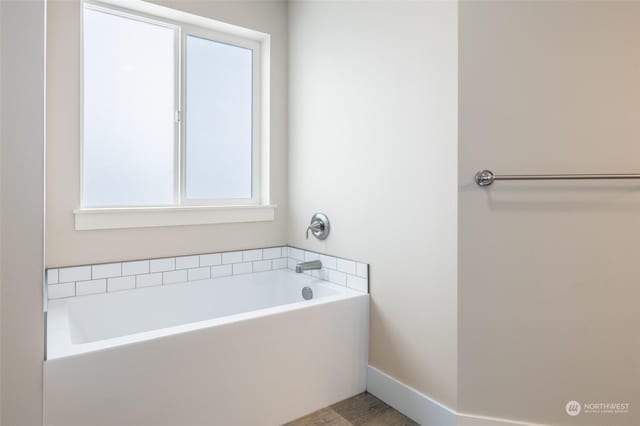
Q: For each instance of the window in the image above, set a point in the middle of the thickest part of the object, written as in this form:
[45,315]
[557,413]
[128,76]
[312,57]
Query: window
[172,112]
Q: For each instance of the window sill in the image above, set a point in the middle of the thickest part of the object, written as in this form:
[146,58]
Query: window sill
[146,217]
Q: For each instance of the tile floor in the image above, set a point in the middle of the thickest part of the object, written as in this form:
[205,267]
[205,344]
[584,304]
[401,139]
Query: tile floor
[361,410]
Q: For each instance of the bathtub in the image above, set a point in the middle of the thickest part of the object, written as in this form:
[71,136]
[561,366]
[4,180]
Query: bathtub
[241,350]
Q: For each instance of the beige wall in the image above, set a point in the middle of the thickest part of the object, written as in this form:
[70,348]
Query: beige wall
[548,276]
[65,246]
[21,211]
[373,90]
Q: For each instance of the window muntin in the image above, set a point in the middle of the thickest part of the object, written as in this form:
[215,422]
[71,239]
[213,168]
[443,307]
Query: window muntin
[214,155]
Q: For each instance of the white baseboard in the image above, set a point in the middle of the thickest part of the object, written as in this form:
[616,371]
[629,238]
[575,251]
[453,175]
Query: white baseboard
[423,409]
[410,402]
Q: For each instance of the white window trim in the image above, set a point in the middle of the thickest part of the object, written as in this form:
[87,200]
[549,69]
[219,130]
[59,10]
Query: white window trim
[193,212]
[146,217]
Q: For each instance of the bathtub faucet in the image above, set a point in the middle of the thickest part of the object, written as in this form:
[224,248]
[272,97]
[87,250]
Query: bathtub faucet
[308,266]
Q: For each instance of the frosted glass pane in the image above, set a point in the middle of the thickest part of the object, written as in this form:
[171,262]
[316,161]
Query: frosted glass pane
[219,120]
[129,106]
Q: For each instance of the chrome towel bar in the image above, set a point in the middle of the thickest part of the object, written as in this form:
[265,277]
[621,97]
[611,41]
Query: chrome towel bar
[487,177]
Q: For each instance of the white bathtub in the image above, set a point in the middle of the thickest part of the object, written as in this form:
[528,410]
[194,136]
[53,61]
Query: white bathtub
[242,350]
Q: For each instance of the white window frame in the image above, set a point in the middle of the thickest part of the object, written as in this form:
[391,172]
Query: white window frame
[190,211]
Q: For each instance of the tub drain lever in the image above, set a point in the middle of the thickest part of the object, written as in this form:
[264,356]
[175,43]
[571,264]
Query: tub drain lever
[307,293]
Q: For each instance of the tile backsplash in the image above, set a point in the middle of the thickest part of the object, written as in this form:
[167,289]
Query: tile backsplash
[109,277]
[339,271]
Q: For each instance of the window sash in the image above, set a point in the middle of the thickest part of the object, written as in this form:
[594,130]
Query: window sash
[182,31]
[254,46]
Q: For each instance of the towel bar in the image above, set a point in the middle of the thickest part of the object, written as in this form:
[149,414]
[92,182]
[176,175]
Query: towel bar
[487,177]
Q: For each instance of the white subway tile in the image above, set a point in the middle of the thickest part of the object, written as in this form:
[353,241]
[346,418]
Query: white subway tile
[347,266]
[106,270]
[337,277]
[52,276]
[296,253]
[174,277]
[221,271]
[357,283]
[328,261]
[161,265]
[91,287]
[148,280]
[210,259]
[83,280]
[231,257]
[272,253]
[77,273]
[362,270]
[121,283]
[309,255]
[186,262]
[199,273]
[251,255]
[135,268]
[321,274]
[291,264]
[261,265]
[279,263]
[58,291]
[242,268]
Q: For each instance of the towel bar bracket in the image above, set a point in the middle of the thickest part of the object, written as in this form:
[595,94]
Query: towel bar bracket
[485,178]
